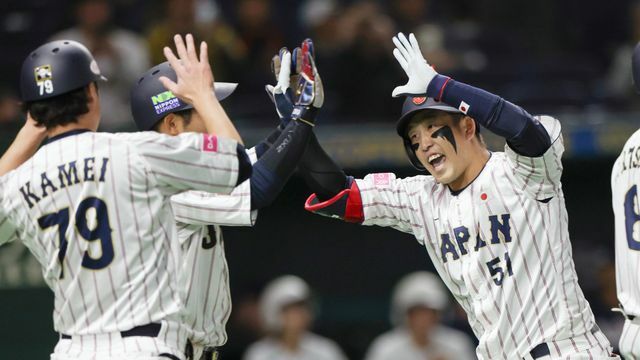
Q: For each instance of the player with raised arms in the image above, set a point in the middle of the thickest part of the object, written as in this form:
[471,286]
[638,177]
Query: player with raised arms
[204,275]
[94,208]
[494,224]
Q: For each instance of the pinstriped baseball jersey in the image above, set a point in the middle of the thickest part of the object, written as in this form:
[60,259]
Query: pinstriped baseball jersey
[204,274]
[501,245]
[625,179]
[94,210]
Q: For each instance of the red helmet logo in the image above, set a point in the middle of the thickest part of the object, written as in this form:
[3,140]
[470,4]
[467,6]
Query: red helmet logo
[419,100]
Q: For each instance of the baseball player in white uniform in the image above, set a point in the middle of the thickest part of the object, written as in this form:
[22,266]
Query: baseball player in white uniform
[493,223]
[286,315]
[416,305]
[94,208]
[625,178]
[204,275]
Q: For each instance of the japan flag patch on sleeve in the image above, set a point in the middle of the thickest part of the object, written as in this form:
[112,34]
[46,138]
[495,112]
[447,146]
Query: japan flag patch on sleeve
[464,107]
[209,143]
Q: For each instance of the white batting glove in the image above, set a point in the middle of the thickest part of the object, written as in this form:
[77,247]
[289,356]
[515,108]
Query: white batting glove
[409,56]
[280,94]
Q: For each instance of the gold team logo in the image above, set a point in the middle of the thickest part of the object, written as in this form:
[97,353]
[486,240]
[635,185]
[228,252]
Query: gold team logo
[43,73]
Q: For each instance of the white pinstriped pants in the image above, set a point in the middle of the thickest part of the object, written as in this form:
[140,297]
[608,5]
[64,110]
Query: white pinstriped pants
[630,340]
[112,346]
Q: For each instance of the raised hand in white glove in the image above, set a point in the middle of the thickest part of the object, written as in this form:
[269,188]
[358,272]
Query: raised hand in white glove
[409,56]
[281,94]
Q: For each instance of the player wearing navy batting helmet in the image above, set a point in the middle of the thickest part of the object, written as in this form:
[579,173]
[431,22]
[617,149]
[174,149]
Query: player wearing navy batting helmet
[199,216]
[94,208]
[494,224]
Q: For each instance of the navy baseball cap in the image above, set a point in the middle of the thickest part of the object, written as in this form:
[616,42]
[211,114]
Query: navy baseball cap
[151,101]
[413,104]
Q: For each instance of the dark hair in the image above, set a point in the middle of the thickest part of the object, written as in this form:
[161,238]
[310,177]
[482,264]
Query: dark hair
[432,113]
[184,114]
[59,110]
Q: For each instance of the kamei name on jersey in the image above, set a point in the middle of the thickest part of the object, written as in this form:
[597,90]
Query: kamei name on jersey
[66,175]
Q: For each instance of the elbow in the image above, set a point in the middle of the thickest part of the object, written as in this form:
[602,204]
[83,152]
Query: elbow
[244,165]
[532,141]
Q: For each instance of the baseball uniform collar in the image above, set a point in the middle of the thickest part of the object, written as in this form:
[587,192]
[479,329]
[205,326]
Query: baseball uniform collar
[457,192]
[64,135]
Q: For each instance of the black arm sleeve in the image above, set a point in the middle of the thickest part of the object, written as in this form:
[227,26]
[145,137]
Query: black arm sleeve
[275,166]
[320,172]
[524,134]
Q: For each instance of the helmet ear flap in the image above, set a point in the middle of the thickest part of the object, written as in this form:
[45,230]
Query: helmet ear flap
[412,155]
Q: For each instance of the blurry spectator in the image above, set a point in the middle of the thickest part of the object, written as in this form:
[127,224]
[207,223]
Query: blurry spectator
[11,119]
[199,18]
[366,71]
[120,54]
[287,316]
[449,47]
[262,38]
[619,85]
[417,302]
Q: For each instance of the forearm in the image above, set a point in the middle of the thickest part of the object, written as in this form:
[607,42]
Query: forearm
[325,178]
[523,133]
[263,146]
[215,118]
[22,149]
[275,166]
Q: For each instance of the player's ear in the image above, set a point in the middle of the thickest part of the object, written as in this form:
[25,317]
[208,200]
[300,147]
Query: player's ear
[469,127]
[169,125]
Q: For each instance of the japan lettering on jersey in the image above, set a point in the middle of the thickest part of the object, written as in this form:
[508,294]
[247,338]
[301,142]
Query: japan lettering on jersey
[94,210]
[625,179]
[501,245]
[204,274]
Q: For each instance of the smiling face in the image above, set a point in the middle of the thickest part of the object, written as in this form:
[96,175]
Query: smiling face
[444,143]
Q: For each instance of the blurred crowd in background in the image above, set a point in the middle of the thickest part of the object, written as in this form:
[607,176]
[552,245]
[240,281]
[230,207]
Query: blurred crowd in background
[546,55]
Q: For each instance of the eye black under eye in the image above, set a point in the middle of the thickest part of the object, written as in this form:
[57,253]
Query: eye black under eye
[415,147]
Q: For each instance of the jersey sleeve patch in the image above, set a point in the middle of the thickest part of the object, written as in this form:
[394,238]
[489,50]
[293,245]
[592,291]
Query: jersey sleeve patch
[380,180]
[209,143]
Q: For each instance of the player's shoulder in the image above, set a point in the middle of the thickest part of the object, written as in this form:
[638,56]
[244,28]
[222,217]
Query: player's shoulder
[633,140]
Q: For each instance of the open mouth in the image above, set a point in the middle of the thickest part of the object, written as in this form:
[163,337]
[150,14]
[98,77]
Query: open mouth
[436,160]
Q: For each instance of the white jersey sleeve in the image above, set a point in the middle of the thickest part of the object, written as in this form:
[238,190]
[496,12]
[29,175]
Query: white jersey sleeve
[201,208]
[540,176]
[8,231]
[388,201]
[188,161]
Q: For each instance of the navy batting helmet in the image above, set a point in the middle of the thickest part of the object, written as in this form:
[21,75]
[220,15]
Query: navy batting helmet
[411,106]
[56,68]
[635,67]
[151,101]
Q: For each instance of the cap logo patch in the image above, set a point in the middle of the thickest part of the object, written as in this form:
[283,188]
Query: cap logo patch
[164,102]
[43,73]
[419,100]
[94,67]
